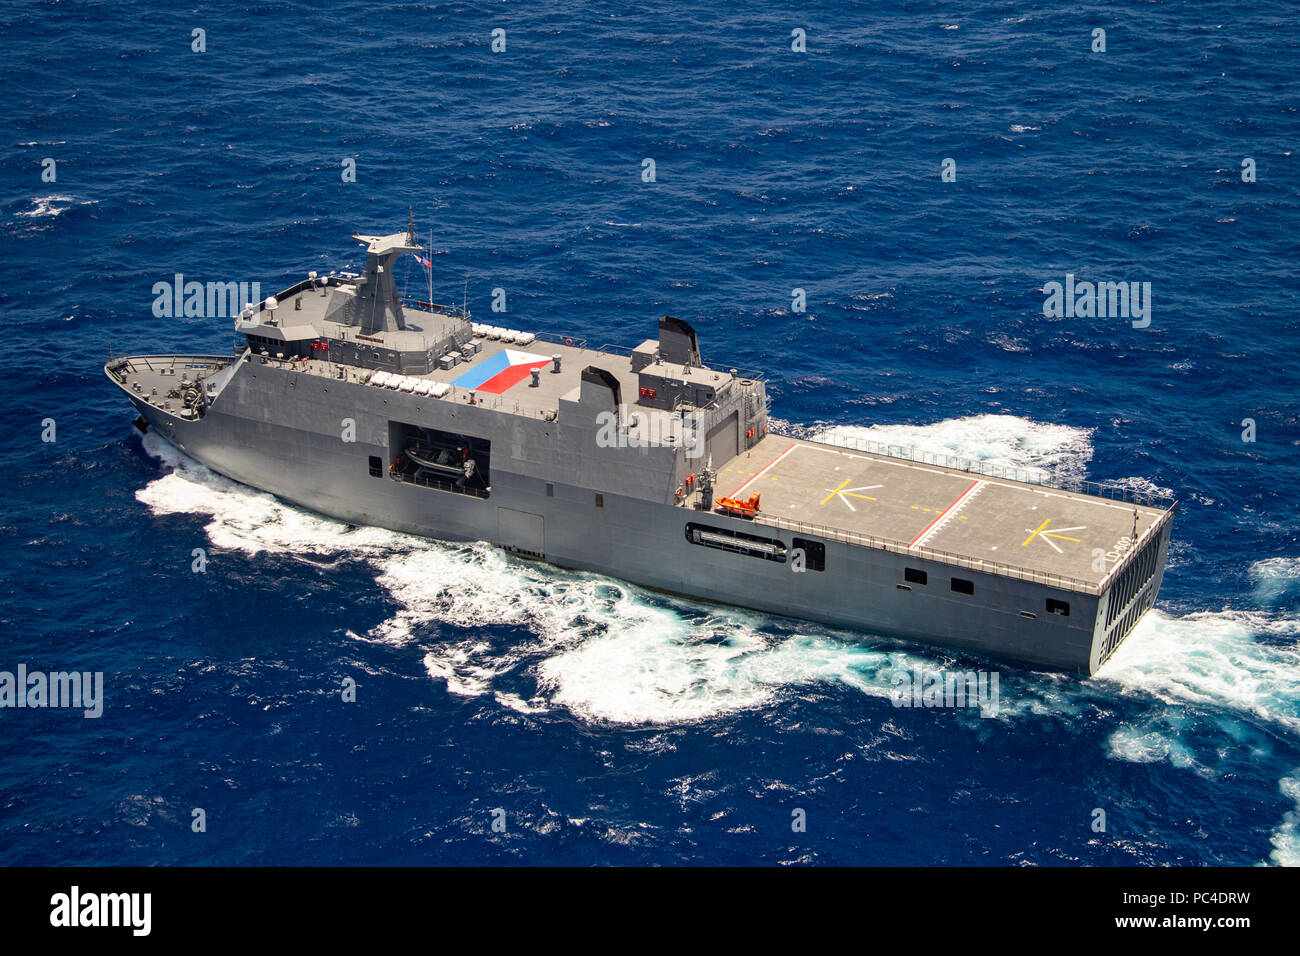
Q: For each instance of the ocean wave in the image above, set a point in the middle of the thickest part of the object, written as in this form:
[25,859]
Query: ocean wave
[49,207]
[1201,680]
[1286,837]
[1276,580]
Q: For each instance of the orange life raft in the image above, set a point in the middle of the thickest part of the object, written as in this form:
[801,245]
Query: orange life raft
[740,509]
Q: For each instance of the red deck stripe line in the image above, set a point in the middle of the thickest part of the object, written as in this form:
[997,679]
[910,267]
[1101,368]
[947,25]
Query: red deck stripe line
[764,471]
[945,511]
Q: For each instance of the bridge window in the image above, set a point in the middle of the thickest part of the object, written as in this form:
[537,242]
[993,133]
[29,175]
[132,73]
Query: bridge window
[962,586]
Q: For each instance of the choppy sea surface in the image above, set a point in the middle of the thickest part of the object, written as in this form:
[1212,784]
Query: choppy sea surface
[612,724]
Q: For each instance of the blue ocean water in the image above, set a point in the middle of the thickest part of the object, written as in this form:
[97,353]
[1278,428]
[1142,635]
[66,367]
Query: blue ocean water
[613,725]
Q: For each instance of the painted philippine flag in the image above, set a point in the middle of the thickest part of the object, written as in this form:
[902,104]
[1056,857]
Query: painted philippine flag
[498,372]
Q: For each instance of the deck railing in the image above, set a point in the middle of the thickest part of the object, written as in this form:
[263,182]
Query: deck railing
[1064,582]
[1136,547]
[555,338]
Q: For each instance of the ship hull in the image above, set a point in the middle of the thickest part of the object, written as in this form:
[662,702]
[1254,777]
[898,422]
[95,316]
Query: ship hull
[312,441]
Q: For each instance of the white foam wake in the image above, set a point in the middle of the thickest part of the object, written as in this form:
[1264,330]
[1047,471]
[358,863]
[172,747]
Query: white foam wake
[1001,441]
[48,207]
[1286,837]
[1247,662]
[1277,581]
[601,649]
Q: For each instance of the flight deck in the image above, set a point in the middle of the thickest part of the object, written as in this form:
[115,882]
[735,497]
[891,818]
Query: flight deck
[918,506]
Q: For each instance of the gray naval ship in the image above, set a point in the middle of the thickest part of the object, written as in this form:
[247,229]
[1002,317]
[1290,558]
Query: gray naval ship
[347,399]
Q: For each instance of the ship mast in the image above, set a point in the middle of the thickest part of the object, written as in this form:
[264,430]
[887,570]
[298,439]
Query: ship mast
[410,241]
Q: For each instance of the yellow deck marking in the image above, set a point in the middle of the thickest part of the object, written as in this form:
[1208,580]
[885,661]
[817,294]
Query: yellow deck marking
[835,491]
[1035,534]
[844,496]
[1048,535]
